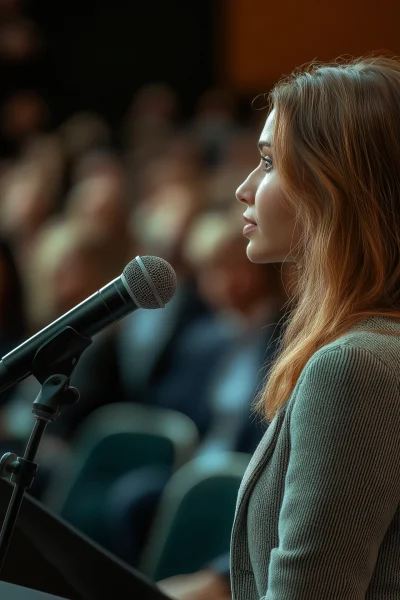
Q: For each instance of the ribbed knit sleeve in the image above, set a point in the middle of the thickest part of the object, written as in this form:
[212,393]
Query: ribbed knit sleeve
[342,485]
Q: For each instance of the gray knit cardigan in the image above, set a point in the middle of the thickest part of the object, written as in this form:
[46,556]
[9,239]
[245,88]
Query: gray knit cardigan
[317,515]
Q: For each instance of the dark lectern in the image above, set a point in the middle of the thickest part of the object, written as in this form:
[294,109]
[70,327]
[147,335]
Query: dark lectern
[49,555]
[9,591]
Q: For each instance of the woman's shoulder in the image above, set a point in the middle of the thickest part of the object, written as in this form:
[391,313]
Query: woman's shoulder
[377,336]
[350,382]
[373,341]
[367,352]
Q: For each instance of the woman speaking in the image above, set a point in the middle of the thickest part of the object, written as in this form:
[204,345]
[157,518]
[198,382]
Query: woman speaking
[317,515]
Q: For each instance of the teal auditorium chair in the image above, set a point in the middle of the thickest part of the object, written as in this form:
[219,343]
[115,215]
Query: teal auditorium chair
[194,520]
[114,439]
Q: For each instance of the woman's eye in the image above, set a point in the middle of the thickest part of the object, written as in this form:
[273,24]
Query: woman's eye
[267,163]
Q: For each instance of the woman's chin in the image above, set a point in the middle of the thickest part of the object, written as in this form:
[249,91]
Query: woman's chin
[261,256]
[254,255]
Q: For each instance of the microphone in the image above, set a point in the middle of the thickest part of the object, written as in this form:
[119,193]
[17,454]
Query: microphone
[146,282]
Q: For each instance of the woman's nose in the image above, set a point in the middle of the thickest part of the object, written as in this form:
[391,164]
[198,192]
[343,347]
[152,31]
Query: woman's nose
[245,192]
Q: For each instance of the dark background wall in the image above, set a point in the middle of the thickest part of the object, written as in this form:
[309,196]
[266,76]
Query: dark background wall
[100,52]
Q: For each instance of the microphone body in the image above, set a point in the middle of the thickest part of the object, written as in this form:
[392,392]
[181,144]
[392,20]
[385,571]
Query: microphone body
[106,306]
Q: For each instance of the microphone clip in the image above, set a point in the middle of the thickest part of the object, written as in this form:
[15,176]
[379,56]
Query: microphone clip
[59,355]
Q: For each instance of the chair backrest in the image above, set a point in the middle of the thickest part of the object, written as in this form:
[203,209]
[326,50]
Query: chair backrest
[195,516]
[113,440]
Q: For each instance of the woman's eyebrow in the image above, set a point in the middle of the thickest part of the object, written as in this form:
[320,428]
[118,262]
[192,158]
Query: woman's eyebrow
[264,143]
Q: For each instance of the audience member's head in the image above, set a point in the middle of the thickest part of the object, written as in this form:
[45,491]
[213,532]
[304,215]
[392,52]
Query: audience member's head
[45,151]
[20,40]
[226,279]
[27,201]
[216,103]
[71,260]
[24,113]
[162,172]
[149,123]
[213,123]
[155,103]
[82,132]
[162,222]
[100,198]
[102,161]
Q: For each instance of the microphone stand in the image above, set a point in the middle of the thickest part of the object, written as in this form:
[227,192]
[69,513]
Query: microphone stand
[52,366]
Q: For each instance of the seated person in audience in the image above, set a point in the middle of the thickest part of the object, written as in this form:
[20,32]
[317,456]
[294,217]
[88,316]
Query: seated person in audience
[155,348]
[71,261]
[212,582]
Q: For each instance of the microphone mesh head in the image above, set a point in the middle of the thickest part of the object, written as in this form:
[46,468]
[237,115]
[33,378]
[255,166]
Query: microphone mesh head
[162,276]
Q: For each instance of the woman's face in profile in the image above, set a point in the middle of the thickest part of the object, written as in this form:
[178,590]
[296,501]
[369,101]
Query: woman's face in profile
[274,234]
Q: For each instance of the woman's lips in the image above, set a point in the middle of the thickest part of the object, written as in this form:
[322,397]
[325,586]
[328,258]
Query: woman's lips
[249,227]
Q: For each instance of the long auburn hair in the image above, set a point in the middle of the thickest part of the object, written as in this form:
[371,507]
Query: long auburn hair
[337,150]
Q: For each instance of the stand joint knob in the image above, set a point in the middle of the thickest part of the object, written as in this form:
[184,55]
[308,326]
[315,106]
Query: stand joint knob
[22,471]
[8,464]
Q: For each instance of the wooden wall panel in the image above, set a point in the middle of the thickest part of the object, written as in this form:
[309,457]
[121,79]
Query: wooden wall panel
[261,40]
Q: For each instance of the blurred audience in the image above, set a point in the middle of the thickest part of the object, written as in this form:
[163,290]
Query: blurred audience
[235,341]
[77,202]
[99,198]
[46,153]
[82,133]
[71,260]
[150,122]
[26,204]
[213,123]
